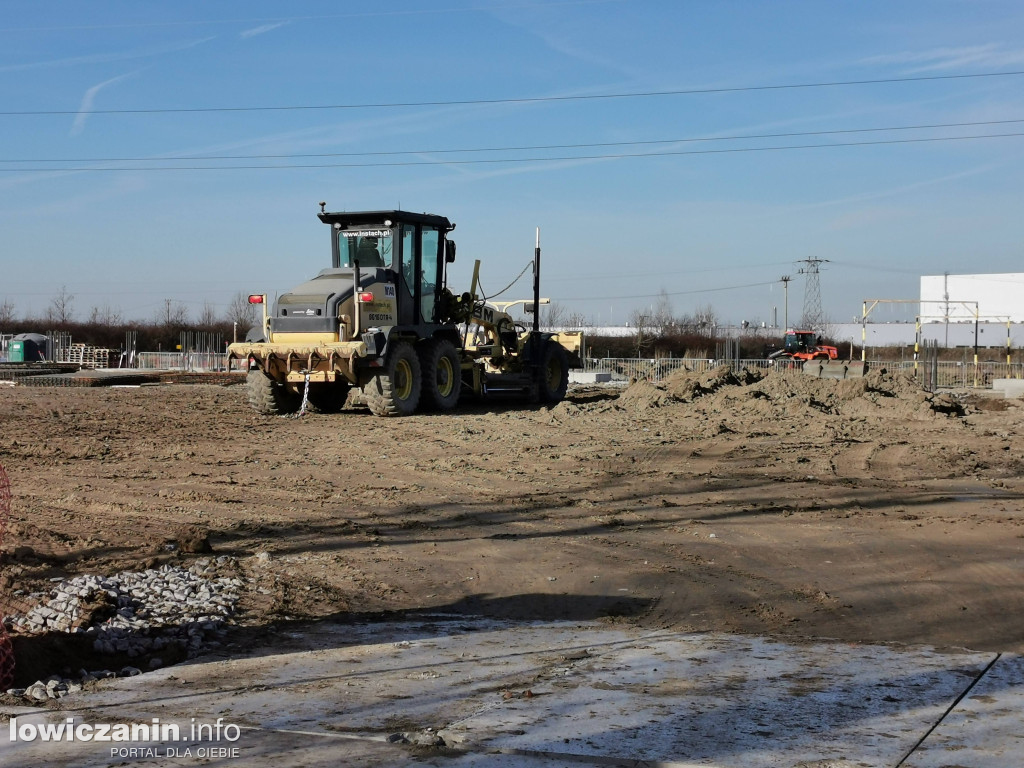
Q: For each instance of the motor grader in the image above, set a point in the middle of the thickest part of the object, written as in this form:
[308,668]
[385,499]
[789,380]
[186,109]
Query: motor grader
[382,319]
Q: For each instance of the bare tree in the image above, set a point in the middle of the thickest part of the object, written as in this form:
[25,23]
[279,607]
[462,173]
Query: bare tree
[826,328]
[62,307]
[208,315]
[241,313]
[663,318]
[6,313]
[705,320]
[641,322]
[172,314]
[577,320]
[552,315]
[105,315]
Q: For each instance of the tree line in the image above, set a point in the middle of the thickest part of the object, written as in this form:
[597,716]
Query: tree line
[659,331]
[104,326]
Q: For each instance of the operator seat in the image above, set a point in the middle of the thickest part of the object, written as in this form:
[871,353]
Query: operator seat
[367,253]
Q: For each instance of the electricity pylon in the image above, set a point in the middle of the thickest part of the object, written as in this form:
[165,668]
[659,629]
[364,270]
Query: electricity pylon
[813,318]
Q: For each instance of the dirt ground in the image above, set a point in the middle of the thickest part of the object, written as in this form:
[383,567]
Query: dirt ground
[864,511]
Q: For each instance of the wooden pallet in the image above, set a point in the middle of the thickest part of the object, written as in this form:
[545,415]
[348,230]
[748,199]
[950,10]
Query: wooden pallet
[91,357]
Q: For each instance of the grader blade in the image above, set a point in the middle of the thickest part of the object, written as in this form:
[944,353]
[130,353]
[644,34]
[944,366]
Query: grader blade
[835,369]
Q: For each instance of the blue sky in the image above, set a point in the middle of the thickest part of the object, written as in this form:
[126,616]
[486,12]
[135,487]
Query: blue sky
[615,230]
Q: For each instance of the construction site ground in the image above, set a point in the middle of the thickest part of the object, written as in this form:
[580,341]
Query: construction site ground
[786,510]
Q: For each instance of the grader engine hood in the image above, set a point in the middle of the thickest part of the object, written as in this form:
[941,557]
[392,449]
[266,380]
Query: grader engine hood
[311,307]
[317,305]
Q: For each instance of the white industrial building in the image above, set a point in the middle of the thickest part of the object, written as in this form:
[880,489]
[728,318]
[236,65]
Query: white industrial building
[953,298]
[947,306]
[955,311]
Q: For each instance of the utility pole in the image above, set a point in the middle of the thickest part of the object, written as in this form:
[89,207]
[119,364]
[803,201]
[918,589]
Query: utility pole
[814,317]
[945,296]
[785,282]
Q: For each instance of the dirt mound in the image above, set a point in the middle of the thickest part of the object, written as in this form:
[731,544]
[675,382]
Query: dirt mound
[780,394]
[880,393]
[644,394]
[686,386]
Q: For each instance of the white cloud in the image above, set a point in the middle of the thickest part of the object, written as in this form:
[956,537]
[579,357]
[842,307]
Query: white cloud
[989,56]
[260,30]
[87,100]
[102,58]
[560,31]
[903,189]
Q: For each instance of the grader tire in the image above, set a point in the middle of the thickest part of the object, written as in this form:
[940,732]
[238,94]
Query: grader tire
[553,376]
[268,396]
[395,391]
[442,374]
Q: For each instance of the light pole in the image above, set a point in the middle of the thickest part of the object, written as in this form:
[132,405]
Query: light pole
[785,282]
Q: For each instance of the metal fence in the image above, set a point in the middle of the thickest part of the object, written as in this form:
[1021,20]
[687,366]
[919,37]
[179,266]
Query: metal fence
[181,361]
[956,375]
[945,374]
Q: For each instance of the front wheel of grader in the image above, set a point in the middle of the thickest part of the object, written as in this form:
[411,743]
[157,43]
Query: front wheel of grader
[268,396]
[395,391]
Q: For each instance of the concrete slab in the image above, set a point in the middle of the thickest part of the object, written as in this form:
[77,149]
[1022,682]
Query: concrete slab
[588,377]
[1009,387]
[554,694]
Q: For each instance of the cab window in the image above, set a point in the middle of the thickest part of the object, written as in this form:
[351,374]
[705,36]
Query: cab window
[430,268]
[370,247]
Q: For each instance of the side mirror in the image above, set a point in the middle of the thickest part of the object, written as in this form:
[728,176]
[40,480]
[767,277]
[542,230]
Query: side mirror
[449,251]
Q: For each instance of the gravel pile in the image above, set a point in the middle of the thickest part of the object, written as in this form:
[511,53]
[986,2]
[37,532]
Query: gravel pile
[140,613]
[56,687]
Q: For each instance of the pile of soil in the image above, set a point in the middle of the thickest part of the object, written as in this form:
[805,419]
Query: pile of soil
[773,394]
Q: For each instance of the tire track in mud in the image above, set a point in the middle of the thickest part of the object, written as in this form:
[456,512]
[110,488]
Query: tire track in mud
[873,461]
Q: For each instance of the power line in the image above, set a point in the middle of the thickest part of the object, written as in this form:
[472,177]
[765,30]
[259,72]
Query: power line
[491,161]
[467,150]
[523,100]
[637,275]
[875,267]
[670,293]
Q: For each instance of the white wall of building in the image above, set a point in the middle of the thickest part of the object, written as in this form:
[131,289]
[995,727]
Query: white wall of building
[953,334]
[999,297]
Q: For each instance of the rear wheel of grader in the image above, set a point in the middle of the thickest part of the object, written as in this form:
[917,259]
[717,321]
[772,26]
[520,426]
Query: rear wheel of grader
[268,396]
[442,374]
[396,390]
[553,378]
